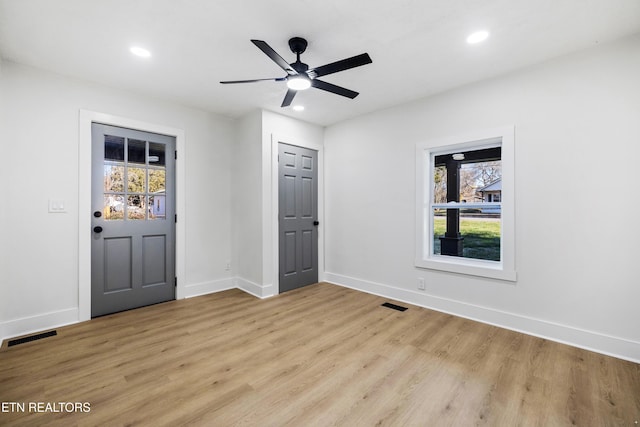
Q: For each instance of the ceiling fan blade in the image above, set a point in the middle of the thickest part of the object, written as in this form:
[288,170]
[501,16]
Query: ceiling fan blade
[319,84]
[276,79]
[288,98]
[263,46]
[345,64]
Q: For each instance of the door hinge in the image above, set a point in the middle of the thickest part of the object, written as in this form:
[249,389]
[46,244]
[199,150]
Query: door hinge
[176,282]
[175,155]
[175,218]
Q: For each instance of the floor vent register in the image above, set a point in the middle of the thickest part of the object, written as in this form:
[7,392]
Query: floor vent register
[393,306]
[30,338]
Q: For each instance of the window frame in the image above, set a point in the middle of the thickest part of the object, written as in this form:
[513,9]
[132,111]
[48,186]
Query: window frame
[425,153]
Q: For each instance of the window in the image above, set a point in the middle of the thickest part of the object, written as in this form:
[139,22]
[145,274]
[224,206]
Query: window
[465,204]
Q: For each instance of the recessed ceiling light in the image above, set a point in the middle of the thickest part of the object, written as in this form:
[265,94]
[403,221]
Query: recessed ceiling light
[298,107]
[477,37]
[139,51]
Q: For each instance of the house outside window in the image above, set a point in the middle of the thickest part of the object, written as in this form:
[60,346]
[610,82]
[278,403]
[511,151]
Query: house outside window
[491,192]
[465,210]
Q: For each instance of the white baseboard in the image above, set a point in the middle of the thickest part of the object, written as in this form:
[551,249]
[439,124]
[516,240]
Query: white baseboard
[588,340]
[594,341]
[259,291]
[38,323]
[203,288]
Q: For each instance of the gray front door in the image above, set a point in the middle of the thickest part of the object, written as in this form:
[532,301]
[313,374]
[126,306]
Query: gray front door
[298,215]
[132,219]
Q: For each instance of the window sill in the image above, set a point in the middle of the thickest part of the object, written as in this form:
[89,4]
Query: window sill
[488,269]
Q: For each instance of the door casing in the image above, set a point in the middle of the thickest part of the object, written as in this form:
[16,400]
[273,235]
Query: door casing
[87,117]
[270,217]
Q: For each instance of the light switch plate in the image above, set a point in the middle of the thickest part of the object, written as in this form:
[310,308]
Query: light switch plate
[57,206]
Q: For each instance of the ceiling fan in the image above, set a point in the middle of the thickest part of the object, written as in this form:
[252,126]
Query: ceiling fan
[300,76]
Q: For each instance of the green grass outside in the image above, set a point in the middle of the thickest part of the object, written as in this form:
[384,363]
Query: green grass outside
[481,238]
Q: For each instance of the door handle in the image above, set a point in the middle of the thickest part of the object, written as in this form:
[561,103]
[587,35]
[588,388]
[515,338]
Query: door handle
[316,222]
[97,229]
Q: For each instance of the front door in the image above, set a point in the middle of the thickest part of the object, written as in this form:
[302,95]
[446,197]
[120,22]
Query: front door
[298,216]
[133,219]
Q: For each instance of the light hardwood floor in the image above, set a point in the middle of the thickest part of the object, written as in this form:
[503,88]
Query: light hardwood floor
[318,356]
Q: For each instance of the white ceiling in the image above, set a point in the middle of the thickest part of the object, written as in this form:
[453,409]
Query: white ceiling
[418,46]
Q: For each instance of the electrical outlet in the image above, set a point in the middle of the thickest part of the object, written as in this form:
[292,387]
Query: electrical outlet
[421,284]
[228,266]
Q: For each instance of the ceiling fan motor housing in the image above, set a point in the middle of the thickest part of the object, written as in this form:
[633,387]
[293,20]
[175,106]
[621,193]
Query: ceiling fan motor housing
[297,45]
[300,67]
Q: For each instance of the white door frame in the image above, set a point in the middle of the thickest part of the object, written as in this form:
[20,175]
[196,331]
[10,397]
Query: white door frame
[84,200]
[275,250]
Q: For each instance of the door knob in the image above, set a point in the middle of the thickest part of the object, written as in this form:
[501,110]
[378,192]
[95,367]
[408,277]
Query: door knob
[316,222]
[97,229]
[97,214]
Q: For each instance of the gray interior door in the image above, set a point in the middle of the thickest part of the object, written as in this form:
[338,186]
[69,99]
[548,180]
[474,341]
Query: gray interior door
[133,219]
[298,216]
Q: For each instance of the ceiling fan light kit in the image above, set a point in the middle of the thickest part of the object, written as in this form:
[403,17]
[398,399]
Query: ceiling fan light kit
[300,77]
[298,83]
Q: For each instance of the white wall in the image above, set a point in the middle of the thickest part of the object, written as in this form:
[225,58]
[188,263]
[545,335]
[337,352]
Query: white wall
[246,161]
[39,113]
[277,128]
[577,124]
[254,214]
[4,178]
[39,131]
[576,121]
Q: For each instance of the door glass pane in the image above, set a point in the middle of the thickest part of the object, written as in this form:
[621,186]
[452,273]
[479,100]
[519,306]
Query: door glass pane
[113,206]
[156,180]
[137,180]
[113,178]
[114,148]
[136,207]
[134,179]
[137,151]
[156,154]
[157,206]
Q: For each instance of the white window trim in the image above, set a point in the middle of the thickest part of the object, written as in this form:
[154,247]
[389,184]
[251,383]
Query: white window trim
[503,269]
